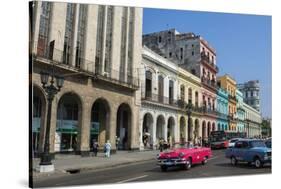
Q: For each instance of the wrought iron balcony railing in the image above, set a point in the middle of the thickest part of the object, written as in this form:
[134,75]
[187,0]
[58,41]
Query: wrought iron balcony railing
[90,67]
[210,83]
[160,99]
[209,62]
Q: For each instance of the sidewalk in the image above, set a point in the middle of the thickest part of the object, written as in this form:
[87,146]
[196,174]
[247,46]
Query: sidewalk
[64,163]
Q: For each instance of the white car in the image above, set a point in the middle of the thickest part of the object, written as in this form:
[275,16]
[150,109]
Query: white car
[232,142]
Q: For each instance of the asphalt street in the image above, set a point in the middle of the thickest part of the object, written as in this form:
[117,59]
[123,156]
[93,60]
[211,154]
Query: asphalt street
[217,166]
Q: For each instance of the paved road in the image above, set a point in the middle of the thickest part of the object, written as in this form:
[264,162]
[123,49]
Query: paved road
[218,165]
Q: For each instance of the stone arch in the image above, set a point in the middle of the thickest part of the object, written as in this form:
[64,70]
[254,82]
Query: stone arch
[147,129]
[69,122]
[124,124]
[100,121]
[214,127]
[171,128]
[39,113]
[190,129]
[196,128]
[204,128]
[182,129]
[209,128]
[160,127]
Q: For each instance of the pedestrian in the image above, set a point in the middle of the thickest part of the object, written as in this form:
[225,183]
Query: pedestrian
[161,145]
[95,147]
[165,145]
[107,147]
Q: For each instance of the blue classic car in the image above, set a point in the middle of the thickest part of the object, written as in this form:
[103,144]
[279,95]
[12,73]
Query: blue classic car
[251,151]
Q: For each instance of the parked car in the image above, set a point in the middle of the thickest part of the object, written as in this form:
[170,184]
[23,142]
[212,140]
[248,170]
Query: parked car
[249,150]
[183,157]
[268,143]
[232,142]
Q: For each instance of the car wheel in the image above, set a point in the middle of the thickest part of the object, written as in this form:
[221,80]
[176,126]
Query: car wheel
[164,168]
[205,160]
[258,163]
[233,160]
[187,166]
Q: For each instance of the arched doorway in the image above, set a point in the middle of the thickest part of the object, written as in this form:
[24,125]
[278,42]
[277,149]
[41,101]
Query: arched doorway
[196,131]
[147,130]
[171,130]
[160,127]
[209,128]
[123,129]
[68,123]
[190,129]
[38,118]
[182,130]
[100,116]
[204,130]
[213,127]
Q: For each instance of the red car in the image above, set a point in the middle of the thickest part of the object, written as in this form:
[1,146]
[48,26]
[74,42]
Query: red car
[183,157]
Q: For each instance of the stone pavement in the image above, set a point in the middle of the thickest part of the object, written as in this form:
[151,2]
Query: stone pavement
[65,163]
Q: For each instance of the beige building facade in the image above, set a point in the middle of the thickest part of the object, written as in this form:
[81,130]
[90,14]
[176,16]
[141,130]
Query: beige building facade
[97,49]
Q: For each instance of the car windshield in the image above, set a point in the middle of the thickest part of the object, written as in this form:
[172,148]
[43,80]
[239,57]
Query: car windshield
[234,140]
[257,144]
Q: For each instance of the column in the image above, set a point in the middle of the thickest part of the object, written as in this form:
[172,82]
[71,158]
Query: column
[134,127]
[111,129]
[141,132]
[154,126]
[85,129]
[165,129]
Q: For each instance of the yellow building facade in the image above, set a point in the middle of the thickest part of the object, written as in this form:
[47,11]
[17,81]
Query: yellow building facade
[229,84]
[189,87]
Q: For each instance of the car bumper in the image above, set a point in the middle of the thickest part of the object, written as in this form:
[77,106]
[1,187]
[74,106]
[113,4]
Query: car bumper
[170,163]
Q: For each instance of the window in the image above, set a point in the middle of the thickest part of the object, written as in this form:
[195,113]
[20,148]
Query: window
[123,42]
[170,54]
[181,53]
[190,95]
[68,37]
[182,92]
[171,91]
[196,99]
[130,42]
[159,39]
[252,94]
[80,43]
[44,26]
[99,45]
[148,83]
[192,53]
[160,88]
[108,41]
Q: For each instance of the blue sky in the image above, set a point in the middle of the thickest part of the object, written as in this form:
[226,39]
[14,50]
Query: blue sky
[242,43]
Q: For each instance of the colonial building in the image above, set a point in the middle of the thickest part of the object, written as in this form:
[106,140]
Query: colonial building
[97,49]
[222,108]
[229,84]
[159,105]
[253,121]
[251,93]
[194,54]
[240,112]
[189,88]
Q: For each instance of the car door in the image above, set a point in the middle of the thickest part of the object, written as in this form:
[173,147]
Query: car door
[237,150]
[243,151]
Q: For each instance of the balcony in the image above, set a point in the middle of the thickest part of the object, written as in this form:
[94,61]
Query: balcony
[209,63]
[232,98]
[160,99]
[209,83]
[85,67]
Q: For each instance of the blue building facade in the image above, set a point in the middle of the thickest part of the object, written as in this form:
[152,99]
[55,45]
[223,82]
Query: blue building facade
[240,112]
[222,108]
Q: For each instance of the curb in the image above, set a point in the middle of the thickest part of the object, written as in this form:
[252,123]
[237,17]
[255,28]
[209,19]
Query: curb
[67,171]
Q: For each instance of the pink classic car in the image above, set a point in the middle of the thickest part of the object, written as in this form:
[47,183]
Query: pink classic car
[183,157]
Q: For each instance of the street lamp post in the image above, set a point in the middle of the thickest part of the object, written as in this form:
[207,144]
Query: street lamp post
[45,164]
